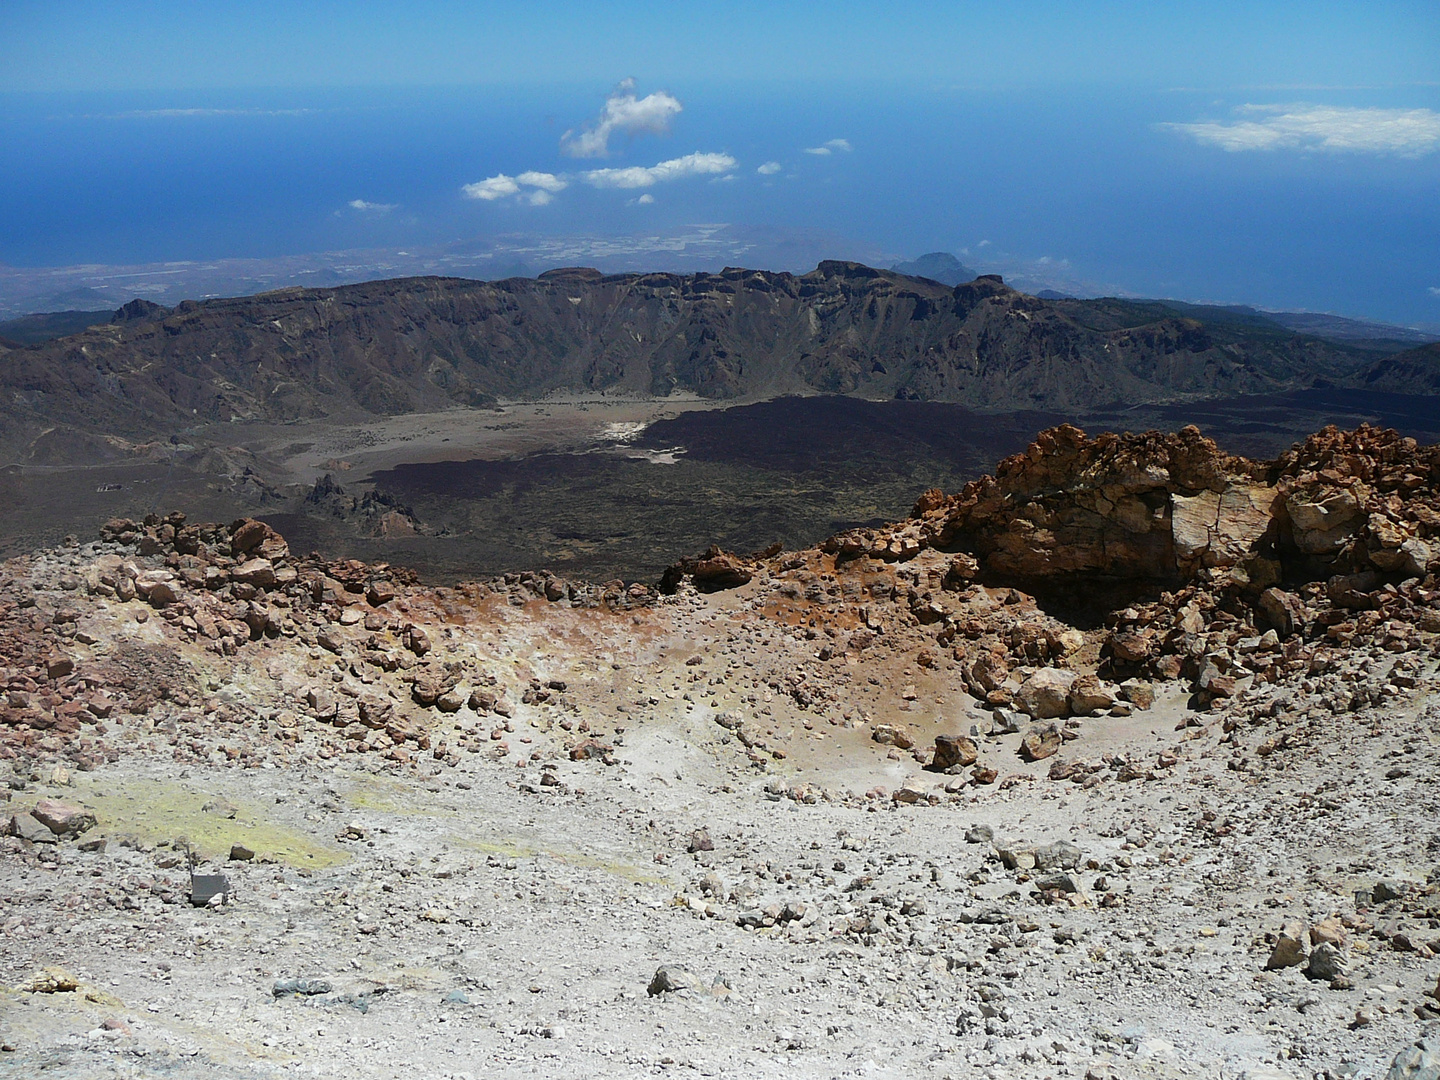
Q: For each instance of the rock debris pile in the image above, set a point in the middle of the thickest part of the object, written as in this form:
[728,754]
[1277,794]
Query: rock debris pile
[1131,725]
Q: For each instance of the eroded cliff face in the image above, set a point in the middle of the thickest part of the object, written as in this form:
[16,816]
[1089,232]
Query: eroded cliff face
[423,344]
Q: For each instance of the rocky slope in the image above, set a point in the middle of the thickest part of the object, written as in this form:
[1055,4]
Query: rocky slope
[1415,371]
[870,808]
[430,343]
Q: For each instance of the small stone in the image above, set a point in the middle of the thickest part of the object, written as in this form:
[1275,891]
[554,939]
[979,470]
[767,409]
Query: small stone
[979,834]
[241,853]
[27,828]
[911,792]
[1005,722]
[1089,694]
[220,807]
[1061,855]
[257,572]
[1138,692]
[417,640]
[1040,743]
[161,594]
[1016,858]
[1061,882]
[1385,891]
[670,978]
[51,980]
[700,841]
[954,751]
[896,735]
[1327,963]
[1289,948]
[589,748]
[302,987]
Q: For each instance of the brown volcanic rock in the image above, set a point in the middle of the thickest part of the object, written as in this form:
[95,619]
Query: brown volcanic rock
[1164,507]
[1135,506]
[711,572]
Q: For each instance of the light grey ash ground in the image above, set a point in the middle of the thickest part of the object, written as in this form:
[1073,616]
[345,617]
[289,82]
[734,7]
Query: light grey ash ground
[476,921]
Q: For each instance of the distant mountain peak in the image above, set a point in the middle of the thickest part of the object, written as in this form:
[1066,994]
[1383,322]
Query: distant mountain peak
[938,266]
[138,310]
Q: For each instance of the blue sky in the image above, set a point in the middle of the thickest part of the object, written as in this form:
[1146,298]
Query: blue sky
[1281,154]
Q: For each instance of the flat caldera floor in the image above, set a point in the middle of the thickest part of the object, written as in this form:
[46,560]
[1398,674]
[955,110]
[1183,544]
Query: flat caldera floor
[598,488]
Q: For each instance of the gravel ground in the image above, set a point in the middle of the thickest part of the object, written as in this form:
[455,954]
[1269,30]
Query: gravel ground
[503,910]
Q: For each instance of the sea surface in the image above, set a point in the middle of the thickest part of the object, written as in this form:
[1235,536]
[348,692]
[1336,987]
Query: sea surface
[1089,193]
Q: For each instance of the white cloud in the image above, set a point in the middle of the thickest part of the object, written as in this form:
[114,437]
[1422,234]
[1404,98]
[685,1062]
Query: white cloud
[1434,290]
[770,168]
[638,176]
[623,112]
[828,148]
[546,181]
[372,207]
[1326,128]
[542,188]
[647,199]
[496,187]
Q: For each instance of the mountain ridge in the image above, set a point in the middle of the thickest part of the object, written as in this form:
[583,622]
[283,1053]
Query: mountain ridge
[424,344]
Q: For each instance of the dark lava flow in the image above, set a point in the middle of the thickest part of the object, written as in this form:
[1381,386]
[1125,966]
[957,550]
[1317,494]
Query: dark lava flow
[793,470]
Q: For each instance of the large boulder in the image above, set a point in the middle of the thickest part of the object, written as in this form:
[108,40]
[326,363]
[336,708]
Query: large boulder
[1321,526]
[63,818]
[1220,528]
[252,538]
[257,572]
[1045,695]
